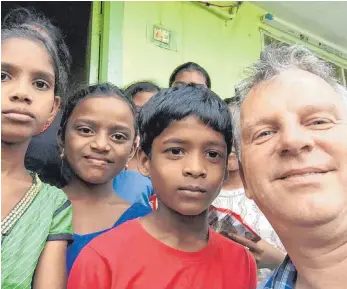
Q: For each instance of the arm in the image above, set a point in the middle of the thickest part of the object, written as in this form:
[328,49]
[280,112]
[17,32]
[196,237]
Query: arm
[50,271]
[51,268]
[253,272]
[264,253]
[90,271]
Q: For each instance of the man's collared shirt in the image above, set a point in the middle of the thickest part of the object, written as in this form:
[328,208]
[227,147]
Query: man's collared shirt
[284,277]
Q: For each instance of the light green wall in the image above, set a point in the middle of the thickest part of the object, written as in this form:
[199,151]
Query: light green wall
[223,49]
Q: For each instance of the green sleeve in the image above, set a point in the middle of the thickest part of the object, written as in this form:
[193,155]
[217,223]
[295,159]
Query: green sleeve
[61,226]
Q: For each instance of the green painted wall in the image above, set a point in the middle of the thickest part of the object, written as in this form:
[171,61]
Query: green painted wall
[223,48]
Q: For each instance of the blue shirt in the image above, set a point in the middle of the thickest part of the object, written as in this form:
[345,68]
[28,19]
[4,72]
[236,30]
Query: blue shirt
[134,211]
[133,187]
[284,277]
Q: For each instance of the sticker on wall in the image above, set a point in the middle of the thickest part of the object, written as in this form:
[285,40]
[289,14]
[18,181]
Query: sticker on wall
[161,37]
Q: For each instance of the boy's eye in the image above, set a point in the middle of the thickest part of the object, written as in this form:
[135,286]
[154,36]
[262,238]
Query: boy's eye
[5,76]
[41,85]
[175,151]
[119,136]
[213,155]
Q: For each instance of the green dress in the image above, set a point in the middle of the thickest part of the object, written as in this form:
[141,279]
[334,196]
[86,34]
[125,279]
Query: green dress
[48,218]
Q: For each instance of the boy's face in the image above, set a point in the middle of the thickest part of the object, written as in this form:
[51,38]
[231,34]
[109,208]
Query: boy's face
[187,166]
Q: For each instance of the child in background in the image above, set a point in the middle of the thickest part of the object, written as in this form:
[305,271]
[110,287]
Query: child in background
[97,134]
[185,142]
[189,72]
[36,217]
[129,184]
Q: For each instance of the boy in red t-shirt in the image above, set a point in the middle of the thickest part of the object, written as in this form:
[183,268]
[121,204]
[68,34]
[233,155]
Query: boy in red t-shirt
[185,142]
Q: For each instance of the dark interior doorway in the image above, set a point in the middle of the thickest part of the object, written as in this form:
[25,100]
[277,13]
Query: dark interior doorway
[72,18]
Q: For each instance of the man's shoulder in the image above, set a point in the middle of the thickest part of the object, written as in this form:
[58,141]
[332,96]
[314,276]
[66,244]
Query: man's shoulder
[285,275]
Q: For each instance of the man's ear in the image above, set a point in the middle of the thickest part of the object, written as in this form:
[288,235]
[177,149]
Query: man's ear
[242,176]
[143,163]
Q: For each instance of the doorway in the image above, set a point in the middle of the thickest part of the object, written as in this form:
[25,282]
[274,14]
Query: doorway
[73,18]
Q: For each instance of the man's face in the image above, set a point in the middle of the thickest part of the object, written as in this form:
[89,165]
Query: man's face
[294,149]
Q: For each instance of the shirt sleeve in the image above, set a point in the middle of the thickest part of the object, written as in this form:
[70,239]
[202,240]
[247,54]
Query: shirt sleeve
[90,271]
[61,226]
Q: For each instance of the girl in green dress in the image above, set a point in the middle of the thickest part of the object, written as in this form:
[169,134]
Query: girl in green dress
[35,217]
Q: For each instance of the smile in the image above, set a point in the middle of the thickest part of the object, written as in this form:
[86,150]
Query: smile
[302,175]
[97,160]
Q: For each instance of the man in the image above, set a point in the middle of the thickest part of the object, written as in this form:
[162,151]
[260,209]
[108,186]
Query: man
[269,251]
[292,138]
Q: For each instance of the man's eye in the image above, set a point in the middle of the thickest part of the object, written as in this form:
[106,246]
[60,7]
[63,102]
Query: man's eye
[5,76]
[264,134]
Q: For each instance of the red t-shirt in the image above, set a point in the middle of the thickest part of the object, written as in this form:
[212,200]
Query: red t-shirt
[128,257]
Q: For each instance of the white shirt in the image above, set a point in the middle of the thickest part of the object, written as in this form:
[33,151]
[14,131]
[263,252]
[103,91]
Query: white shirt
[237,201]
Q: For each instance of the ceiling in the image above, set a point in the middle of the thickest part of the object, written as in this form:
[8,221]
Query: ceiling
[325,19]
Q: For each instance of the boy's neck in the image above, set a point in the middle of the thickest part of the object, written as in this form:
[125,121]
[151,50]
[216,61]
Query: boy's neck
[78,190]
[12,159]
[233,182]
[185,233]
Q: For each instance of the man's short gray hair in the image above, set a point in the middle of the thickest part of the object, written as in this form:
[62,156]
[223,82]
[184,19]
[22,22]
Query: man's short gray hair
[274,60]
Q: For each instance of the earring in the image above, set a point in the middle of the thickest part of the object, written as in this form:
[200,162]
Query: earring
[62,154]
[48,123]
[126,167]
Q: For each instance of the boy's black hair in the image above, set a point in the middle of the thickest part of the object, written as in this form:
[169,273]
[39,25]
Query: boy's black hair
[27,23]
[141,86]
[177,103]
[190,66]
[102,89]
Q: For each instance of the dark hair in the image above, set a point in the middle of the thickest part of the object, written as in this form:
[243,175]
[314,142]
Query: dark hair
[228,100]
[177,103]
[27,23]
[141,86]
[190,66]
[102,89]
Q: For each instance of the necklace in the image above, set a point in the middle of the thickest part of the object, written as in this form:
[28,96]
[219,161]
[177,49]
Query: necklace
[18,211]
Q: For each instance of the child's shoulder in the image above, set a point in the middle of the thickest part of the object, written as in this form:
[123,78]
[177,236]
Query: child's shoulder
[119,237]
[52,200]
[232,253]
[227,245]
[52,193]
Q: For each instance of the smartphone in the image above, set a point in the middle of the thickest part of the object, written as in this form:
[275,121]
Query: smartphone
[228,223]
